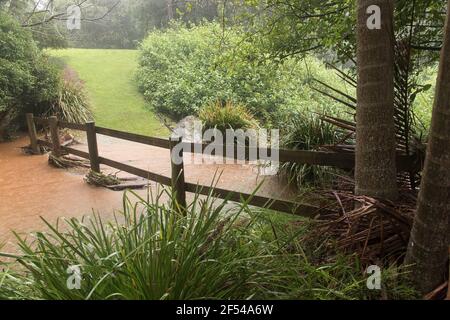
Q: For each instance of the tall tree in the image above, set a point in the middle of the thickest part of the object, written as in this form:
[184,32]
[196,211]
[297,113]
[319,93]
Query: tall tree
[430,237]
[375,171]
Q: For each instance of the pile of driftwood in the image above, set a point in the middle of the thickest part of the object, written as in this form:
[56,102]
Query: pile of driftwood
[66,161]
[113,182]
[375,230]
[100,179]
[62,160]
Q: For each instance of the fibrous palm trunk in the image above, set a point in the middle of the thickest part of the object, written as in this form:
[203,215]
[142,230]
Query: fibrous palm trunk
[430,237]
[375,171]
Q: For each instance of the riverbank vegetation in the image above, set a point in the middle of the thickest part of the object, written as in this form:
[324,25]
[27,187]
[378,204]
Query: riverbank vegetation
[31,83]
[215,251]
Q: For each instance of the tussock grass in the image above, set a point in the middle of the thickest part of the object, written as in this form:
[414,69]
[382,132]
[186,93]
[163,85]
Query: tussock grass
[305,131]
[223,116]
[72,105]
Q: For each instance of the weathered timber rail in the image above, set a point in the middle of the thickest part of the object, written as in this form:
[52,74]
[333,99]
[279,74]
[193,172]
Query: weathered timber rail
[177,181]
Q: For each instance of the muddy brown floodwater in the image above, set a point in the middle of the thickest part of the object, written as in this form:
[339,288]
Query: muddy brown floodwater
[30,188]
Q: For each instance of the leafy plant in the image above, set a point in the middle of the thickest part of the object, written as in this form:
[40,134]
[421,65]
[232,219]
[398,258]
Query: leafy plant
[28,82]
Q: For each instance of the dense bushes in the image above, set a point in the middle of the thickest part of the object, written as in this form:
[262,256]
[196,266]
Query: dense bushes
[29,82]
[183,69]
[177,70]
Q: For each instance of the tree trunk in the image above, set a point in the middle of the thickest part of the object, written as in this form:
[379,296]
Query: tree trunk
[375,171]
[170,10]
[430,237]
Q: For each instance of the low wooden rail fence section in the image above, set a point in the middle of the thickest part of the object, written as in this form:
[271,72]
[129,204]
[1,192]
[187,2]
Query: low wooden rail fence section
[177,181]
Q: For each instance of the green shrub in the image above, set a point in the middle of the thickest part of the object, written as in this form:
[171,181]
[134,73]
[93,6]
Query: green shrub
[226,116]
[32,82]
[183,69]
[151,252]
[46,86]
[15,81]
[176,74]
[28,83]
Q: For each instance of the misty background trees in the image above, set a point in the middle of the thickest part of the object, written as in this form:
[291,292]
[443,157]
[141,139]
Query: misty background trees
[118,24]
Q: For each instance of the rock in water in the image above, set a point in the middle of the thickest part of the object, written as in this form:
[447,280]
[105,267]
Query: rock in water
[190,129]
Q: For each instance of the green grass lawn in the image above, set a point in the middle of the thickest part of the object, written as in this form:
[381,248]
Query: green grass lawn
[113,94]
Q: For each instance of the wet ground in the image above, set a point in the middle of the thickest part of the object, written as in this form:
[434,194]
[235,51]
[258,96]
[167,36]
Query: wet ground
[30,188]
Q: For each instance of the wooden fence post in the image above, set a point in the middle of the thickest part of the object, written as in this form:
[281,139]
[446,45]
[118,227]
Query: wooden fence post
[53,122]
[32,133]
[178,185]
[92,145]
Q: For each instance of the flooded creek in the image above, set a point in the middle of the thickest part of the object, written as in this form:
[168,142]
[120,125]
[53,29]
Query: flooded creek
[30,188]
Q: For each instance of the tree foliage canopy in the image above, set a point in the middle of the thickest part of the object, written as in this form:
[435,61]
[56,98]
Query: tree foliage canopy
[292,27]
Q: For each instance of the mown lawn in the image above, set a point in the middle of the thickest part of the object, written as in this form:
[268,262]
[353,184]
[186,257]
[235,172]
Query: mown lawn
[113,94]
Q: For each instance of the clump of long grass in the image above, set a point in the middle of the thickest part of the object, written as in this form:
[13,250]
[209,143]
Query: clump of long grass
[228,115]
[73,103]
[307,132]
[150,251]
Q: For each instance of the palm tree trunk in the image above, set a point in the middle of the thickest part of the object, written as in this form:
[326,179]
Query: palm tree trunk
[375,171]
[430,237]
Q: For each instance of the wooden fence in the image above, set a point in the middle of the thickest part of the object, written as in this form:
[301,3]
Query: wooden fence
[177,181]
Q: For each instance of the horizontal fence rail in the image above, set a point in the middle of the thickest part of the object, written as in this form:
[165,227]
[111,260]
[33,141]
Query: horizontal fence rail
[136,171]
[257,201]
[73,126]
[320,158]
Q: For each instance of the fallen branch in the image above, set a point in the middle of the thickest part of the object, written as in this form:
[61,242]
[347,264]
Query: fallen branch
[135,184]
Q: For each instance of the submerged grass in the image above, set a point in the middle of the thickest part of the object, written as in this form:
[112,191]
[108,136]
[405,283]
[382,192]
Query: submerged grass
[152,252]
